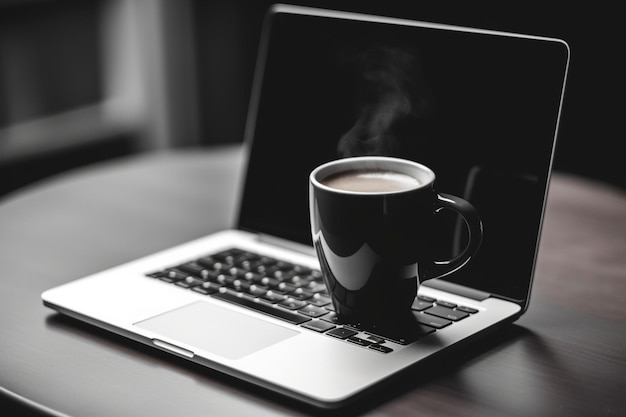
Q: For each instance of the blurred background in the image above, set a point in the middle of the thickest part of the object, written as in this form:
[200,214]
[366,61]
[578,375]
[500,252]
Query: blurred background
[83,81]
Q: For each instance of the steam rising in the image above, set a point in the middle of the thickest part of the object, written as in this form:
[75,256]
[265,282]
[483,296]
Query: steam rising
[390,89]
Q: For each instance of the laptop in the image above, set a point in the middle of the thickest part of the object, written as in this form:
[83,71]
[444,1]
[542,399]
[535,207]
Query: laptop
[481,108]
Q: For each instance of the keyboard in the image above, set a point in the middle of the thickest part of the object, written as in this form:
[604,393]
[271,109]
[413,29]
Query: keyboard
[297,294]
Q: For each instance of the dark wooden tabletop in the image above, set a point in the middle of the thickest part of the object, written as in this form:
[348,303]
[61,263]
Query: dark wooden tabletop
[566,356]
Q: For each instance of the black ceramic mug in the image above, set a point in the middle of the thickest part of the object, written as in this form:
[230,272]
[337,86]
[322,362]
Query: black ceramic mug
[372,226]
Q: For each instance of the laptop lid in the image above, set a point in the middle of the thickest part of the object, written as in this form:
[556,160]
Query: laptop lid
[480,108]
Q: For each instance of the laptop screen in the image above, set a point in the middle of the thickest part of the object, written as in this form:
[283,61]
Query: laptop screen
[480,109]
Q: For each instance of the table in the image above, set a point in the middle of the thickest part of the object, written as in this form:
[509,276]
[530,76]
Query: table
[566,356]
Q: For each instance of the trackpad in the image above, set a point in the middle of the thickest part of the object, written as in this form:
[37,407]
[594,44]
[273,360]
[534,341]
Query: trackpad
[215,329]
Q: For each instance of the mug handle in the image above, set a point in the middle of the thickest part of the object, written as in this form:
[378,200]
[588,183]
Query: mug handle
[474,228]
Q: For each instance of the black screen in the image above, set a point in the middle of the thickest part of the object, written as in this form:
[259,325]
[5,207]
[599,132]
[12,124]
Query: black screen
[480,109]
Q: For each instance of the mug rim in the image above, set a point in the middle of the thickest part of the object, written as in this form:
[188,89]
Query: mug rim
[426,177]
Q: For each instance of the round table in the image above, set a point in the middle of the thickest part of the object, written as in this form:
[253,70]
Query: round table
[565,356]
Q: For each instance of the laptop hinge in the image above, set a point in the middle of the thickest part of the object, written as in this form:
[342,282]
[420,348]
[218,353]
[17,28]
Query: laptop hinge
[286,244]
[457,289]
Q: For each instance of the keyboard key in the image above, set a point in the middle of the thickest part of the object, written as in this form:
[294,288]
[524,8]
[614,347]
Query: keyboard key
[278,313]
[332,317]
[210,275]
[447,313]
[469,310]
[241,285]
[167,279]
[421,305]
[268,270]
[375,339]
[201,290]
[342,333]
[270,282]
[286,287]
[319,300]
[292,304]
[284,274]
[318,325]
[175,275]
[222,268]
[189,282]
[209,287]
[299,281]
[226,279]
[316,287]
[257,290]
[249,264]
[313,311]
[302,294]
[358,341]
[380,348]
[238,273]
[432,321]
[445,304]
[273,297]
[193,268]
[253,277]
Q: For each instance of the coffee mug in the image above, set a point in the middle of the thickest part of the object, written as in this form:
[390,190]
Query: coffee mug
[372,223]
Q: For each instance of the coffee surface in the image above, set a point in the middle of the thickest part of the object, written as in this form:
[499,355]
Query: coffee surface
[371,181]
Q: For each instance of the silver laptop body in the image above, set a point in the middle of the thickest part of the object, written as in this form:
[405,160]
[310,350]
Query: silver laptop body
[479,107]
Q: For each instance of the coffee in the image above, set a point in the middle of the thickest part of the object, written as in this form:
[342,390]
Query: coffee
[371,181]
